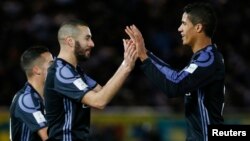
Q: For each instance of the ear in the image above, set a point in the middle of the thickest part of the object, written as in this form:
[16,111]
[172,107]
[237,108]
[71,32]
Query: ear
[70,41]
[36,70]
[198,27]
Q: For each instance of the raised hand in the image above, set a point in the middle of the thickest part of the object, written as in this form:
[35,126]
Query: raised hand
[137,38]
[130,54]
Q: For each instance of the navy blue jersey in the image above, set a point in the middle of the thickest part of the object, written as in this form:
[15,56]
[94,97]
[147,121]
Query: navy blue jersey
[65,86]
[26,115]
[202,84]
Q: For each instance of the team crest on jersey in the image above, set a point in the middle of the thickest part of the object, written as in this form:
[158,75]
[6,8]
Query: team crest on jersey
[191,68]
[80,84]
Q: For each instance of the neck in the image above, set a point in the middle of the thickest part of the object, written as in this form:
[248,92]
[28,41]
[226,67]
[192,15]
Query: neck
[37,84]
[201,43]
[67,56]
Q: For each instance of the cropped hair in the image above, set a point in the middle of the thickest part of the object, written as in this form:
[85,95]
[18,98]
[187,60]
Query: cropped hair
[70,28]
[30,57]
[204,14]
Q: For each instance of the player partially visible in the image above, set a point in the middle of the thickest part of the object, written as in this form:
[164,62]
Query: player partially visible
[27,120]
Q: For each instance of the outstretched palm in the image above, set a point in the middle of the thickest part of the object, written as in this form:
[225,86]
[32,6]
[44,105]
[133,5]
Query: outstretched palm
[136,36]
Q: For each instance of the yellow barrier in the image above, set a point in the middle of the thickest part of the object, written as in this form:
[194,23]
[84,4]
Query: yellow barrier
[133,124]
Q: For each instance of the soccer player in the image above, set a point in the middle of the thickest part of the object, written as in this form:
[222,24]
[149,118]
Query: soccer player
[201,82]
[27,121]
[70,92]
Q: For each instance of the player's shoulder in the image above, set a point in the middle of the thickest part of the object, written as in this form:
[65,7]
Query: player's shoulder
[204,57]
[65,72]
[28,100]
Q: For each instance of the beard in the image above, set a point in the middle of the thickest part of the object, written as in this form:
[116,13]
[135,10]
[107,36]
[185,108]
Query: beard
[80,54]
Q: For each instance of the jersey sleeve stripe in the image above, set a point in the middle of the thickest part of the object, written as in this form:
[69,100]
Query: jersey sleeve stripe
[170,74]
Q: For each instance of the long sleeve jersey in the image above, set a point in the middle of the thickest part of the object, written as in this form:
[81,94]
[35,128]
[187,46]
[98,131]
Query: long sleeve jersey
[201,83]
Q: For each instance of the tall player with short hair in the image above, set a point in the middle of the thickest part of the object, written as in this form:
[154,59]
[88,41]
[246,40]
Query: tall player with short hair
[70,92]
[201,82]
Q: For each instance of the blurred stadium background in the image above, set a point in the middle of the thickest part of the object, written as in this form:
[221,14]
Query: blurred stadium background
[140,112]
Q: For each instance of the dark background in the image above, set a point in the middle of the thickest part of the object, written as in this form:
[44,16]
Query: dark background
[35,22]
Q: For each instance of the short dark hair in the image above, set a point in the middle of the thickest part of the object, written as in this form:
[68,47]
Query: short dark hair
[75,22]
[30,56]
[69,28]
[204,14]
